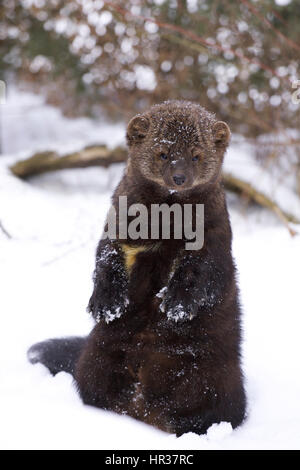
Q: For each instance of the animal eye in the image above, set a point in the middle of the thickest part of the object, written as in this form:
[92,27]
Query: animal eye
[163,156]
[195,158]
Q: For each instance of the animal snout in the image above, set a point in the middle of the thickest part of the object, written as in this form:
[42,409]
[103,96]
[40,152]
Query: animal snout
[179,179]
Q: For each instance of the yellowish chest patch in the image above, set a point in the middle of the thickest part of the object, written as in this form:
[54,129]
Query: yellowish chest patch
[130,254]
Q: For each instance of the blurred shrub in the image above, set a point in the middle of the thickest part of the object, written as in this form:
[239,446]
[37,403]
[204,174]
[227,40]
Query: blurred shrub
[239,58]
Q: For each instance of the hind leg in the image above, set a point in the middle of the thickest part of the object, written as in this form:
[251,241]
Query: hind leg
[183,395]
[102,377]
[60,354]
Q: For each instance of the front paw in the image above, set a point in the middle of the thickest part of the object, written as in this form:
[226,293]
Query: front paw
[109,307]
[178,304]
[182,302]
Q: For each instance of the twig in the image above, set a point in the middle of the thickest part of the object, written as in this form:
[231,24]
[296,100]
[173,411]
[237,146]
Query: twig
[3,230]
[64,254]
[278,33]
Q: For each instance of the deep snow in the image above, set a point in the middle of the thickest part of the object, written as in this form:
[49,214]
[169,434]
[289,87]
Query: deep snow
[55,221]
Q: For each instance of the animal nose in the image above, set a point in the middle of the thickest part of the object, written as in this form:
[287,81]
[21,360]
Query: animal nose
[179,179]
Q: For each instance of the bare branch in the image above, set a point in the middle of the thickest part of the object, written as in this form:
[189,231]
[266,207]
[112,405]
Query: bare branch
[194,37]
[264,20]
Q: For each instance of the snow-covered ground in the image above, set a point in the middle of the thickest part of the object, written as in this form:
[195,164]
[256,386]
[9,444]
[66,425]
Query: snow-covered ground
[55,221]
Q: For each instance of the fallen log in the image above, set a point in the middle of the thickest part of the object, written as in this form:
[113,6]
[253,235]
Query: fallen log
[100,155]
[42,162]
[243,188]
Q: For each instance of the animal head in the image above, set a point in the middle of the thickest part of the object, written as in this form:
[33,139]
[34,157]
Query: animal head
[177,144]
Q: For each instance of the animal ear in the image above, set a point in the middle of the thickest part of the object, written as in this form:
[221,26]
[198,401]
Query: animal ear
[221,134]
[137,129]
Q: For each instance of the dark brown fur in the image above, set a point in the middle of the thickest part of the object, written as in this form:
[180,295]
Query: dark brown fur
[184,375]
